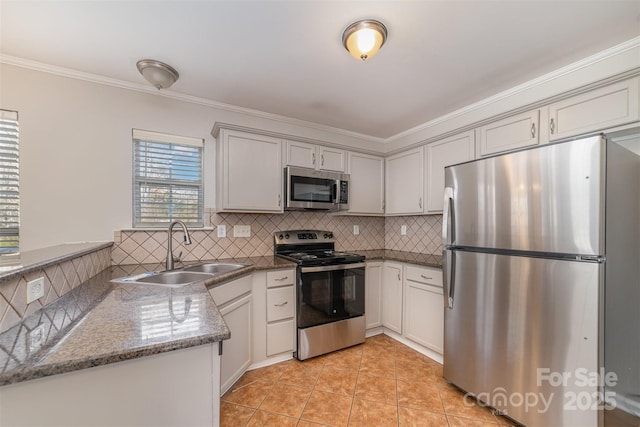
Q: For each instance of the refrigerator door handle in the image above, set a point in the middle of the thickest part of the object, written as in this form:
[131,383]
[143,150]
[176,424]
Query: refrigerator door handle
[449,269]
[447,217]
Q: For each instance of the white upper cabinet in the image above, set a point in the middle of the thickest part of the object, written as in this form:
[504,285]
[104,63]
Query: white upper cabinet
[249,172]
[314,156]
[603,108]
[404,192]
[456,149]
[366,184]
[508,134]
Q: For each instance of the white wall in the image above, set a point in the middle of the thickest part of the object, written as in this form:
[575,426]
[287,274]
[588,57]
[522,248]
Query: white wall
[75,148]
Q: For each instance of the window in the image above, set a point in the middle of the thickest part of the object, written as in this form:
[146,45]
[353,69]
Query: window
[9,183]
[167,180]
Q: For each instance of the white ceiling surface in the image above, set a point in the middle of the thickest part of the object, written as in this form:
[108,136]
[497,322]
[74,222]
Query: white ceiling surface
[287,58]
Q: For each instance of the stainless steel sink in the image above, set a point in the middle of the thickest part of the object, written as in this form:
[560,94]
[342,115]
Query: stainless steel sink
[183,277]
[173,278]
[215,267]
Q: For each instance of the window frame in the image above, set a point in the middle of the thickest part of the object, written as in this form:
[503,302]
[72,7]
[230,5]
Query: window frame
[157,146]
[9,181]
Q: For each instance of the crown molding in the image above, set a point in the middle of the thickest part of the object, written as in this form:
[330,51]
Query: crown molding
[529,85]
[138,87]
[484,103]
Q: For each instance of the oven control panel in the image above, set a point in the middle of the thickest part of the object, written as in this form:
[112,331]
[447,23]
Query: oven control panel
[303,236]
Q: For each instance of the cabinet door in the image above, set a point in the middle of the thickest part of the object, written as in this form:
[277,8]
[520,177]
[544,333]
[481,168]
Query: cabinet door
[405,180]
[236,354]
[424,315]
[331,159]
[301,154]
[509,134]
[366,184]
[457,149]
[250,172]
[392,296]
[599,109]
[373,297]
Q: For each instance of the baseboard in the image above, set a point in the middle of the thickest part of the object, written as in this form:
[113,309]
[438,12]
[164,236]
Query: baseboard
[417,347]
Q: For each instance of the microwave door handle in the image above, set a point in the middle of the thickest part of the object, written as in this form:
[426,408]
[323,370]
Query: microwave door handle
[334,192]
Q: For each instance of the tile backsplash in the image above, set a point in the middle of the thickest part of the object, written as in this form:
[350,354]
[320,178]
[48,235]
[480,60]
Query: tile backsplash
[144,246]
[59,279]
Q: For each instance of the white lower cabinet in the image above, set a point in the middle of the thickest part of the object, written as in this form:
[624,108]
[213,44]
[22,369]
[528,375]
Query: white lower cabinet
[274,328]
[372,294]
[424,307]
[392,296]
[234,302]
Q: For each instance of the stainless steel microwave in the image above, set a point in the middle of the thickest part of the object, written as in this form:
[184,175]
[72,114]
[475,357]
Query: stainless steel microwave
[311,189]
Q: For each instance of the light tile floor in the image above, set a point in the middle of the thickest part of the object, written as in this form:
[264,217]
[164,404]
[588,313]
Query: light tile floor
[379,383]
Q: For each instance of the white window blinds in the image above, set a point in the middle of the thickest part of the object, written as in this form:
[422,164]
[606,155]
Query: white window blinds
[9,182]
[167,180]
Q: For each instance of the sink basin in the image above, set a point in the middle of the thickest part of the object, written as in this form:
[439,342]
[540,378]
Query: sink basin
[173,278]
[215,267]
[183,277]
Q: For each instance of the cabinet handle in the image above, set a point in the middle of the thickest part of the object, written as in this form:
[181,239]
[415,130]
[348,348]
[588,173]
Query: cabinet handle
[420,203]
[399,278]
[281,279]
[533,130]
[322,160]
[425,277]
[552,126]
[279,199]
[282,304]
[384,205]
[313,159]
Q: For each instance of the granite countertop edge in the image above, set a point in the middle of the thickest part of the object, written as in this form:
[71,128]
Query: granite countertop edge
[416,258]
[68,252]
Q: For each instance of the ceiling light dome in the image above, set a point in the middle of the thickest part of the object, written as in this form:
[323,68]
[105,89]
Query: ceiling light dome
[157,73]
[364,38]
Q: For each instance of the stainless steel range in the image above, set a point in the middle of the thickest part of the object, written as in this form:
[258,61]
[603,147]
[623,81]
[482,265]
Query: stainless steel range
[329,291]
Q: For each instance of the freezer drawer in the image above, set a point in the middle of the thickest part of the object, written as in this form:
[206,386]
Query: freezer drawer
[516,323]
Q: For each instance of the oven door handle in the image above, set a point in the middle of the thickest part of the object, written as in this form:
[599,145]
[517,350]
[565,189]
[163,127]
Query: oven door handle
[332,267]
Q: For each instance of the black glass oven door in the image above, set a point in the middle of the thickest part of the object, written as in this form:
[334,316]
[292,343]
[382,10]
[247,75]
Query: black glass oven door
[330,293]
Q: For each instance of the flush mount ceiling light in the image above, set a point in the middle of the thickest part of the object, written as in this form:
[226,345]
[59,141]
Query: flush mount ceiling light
[364,38]
[157,73]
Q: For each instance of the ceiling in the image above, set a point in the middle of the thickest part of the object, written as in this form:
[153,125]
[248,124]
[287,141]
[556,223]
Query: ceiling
[286,57]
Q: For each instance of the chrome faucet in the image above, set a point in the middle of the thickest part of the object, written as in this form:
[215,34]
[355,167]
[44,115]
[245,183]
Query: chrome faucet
[187,241]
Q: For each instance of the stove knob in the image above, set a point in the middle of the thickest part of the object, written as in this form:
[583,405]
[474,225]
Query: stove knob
[286,236]
[280,237]
[329,236]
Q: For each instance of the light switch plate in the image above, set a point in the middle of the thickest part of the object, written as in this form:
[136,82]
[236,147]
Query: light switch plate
[356,230]
[241,231]
[403,230]
[222,230]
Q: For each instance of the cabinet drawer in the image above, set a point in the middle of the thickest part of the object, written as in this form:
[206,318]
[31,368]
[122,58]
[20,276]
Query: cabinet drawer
[226,292]
[280,278]
[431,276]
[280,337]
[279,303]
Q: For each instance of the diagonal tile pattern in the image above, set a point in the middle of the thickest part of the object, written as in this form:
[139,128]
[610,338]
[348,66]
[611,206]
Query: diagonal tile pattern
[58,280]
[376,384]
[148,246]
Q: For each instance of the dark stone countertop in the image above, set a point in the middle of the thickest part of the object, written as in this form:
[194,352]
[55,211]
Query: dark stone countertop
[425,260]
[101,322]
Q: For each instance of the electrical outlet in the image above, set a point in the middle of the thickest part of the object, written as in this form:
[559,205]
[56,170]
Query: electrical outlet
[222,230]
[241,231]
[35,289]
[403,230]
[356,230]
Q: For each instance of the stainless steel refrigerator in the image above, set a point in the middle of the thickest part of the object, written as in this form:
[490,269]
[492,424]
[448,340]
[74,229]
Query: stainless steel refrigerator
[541,282]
